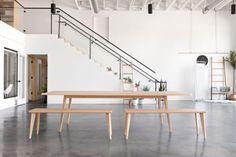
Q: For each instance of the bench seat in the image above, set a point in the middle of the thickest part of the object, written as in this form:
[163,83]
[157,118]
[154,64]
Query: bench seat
[197,112]
[35,114]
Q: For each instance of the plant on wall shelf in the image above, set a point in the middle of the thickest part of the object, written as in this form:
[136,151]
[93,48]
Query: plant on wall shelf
[232,60]
[128,80]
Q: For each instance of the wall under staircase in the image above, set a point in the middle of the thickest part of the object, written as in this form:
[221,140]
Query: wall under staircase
[70,69]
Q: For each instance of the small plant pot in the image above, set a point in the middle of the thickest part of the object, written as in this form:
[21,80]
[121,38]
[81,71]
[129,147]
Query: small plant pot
[45,99]
[232,97]
[135,102]
[140,101]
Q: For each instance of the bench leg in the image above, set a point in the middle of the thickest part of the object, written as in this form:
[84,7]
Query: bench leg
[196,121]
[32,119]
[128,117]
[62,114]
[125,123]
[202,116]
[159,107]
[167,115]
[69,106]
[109,125]
[38,122]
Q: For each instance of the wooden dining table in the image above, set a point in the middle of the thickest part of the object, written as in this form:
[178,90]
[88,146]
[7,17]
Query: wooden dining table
[159,96]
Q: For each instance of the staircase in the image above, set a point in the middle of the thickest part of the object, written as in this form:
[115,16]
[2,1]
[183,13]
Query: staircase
[98,49]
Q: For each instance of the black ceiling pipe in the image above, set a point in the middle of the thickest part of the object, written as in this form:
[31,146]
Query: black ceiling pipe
[53,8]
[233,9]
[150,8]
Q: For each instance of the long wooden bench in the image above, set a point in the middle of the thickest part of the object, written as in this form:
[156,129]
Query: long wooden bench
[197,112]
[35,114]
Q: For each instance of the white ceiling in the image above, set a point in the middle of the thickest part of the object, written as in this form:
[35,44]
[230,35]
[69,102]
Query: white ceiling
[138,5]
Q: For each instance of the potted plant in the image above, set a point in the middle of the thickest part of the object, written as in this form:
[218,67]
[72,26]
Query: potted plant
[162,86]
[145,88]
[232,60]
[44,89]
[136,86]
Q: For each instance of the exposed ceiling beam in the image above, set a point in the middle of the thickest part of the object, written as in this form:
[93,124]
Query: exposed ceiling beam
[198,4]
[77,5]
[131,4]
[117,4]
[212,6]
[171,4]
[184,4]
[104,4]
[157,5]
[94,5]
[223,4]
[144,4]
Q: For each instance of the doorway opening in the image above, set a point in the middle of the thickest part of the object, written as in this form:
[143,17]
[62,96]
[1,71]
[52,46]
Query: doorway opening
[37,77]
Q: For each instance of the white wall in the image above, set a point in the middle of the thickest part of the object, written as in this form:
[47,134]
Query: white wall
[157,39]
[70,70]
[10,38]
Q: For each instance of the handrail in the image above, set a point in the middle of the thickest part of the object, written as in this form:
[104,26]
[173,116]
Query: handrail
[106,40]
[120,57]
[92,32]
[142,72]
[105,45]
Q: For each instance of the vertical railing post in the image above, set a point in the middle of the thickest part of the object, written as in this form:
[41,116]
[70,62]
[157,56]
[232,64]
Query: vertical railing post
[51,24]
[59,27]
[155,85]
[90,47]
[120,68]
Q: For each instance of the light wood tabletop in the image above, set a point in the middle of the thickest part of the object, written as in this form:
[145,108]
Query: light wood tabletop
[116,94]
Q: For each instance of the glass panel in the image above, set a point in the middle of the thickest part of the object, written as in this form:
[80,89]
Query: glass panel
[10,73]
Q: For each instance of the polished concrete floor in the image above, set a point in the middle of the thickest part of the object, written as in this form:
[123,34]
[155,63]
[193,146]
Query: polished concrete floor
[87,134]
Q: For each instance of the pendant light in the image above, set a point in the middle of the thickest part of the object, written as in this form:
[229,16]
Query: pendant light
[53,8]
[233,8]
[150,8]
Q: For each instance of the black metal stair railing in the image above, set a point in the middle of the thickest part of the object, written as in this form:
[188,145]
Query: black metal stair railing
[95,38]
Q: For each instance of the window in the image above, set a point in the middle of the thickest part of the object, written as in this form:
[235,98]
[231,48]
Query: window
[10,73]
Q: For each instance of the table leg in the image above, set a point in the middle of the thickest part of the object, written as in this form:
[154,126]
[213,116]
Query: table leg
[32,119]
[127,125]
[69,106]
[196,121]
[202,116]
[109,125]
[159,107]
[62,114]
[167,114]
[38,122]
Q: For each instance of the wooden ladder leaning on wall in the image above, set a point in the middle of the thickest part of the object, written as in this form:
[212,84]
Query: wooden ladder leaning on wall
[127,76]
[218,76]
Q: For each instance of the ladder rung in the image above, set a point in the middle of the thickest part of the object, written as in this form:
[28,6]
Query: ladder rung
[217,74]
[217,68]
[217,81]
[217,62]
[128,73]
